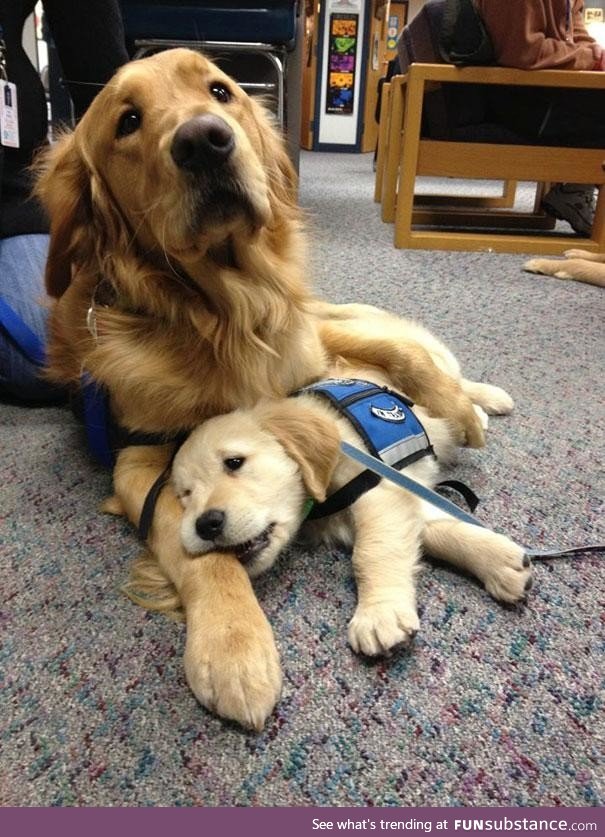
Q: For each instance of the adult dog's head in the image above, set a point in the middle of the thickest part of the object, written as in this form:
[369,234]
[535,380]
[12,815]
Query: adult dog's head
[172,158]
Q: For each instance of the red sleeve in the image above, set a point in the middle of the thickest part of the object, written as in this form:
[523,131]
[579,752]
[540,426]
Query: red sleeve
[580,34]
[518,31]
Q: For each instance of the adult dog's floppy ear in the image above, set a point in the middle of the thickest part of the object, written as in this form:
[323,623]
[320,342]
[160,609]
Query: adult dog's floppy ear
[308,437]
[63,188]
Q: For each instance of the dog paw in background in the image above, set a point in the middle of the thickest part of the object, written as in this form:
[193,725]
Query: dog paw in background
[578,265]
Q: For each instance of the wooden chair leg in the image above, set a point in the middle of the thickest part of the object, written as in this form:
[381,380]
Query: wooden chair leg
[509,193]
[541,190]
[408,162]
[392,171]
[382,140]
[598,225]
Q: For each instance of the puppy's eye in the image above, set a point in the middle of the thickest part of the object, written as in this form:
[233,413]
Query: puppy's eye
[129,123]
[185,493]
[220,92]
[234,463]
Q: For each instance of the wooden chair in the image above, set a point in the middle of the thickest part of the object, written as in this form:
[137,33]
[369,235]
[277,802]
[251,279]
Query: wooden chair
[387,165]
[407,154]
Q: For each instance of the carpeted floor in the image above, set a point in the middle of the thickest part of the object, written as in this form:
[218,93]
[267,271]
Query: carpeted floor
[494,706]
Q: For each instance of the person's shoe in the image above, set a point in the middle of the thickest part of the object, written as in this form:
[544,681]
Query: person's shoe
[572,202]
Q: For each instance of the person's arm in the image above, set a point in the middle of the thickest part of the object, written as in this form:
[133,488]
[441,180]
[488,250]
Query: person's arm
[91,44]
[580,33]
[518,30]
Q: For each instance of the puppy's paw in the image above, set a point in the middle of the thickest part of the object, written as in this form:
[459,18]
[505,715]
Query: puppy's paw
[506,571]
[380,627]
[234,670]
[496,401]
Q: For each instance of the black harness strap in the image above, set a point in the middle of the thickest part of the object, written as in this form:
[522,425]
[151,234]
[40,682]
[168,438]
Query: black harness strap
[151,499]
[469,495]
[345,496]
[154,492]
[366,480]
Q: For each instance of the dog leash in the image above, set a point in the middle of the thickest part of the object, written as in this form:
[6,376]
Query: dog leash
[380,468]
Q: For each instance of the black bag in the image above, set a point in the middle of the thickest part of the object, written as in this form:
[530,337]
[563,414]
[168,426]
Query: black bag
[463,38]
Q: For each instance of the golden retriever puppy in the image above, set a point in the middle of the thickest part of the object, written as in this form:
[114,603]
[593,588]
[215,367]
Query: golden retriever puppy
[177,265]
[581,265]
[245,479]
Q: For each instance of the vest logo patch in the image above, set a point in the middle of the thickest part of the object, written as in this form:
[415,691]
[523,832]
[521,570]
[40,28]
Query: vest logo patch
[394,414]
[340,382]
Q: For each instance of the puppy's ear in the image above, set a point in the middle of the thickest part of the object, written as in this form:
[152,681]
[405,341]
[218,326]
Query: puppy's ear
[63,188]
[310,438]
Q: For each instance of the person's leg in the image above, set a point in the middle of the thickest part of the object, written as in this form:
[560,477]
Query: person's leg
[545,116]
[22,260]
[575,119]
[572,202]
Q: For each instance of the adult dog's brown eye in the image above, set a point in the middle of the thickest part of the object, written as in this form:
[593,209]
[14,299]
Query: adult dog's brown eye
[234,463]
[220,92]
[129,123]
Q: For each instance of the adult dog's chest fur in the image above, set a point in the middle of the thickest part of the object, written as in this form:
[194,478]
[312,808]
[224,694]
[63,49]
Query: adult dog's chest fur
[169,375]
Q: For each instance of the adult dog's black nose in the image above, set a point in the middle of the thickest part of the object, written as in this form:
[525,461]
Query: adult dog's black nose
[210,524]
[202,141]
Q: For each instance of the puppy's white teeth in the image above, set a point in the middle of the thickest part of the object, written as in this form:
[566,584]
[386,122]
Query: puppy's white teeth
[249,549]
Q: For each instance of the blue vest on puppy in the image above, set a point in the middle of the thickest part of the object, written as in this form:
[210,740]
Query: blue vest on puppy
[383,418]
[385,422]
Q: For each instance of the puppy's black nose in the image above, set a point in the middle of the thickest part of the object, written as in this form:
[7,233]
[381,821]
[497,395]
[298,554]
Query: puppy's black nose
[201,142]
[210,524]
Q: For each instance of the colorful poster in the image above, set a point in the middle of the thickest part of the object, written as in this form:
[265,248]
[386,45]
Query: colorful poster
[392,32]
[342,54]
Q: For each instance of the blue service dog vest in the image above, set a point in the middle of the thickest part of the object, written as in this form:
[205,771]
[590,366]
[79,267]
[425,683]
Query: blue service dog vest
[385,422]
[383,418]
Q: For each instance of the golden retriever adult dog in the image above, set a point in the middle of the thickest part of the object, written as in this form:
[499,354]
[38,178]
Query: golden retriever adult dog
[177,265]
[581,265]
[245,480]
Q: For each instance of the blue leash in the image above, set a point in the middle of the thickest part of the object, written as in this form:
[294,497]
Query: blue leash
[384,470]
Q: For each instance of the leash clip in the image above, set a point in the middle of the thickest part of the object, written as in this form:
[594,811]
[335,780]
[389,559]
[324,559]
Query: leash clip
[91,322]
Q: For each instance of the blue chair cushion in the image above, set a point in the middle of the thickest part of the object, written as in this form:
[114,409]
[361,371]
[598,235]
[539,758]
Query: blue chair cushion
[239,21]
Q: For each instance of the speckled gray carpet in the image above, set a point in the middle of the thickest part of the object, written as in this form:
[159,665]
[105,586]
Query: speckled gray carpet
[492,707]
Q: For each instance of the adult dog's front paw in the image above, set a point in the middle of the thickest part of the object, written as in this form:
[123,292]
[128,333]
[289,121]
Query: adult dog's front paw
[233,668]
[380,627]
[462,415]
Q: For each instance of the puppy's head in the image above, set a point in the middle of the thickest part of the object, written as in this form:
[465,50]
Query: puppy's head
[244,479]
[172,157]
